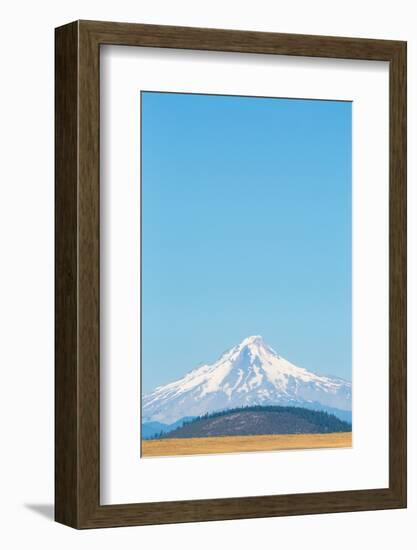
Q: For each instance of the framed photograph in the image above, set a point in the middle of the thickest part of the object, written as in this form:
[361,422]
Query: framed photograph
[230,274]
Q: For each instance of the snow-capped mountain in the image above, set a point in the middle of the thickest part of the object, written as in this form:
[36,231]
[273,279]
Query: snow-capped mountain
[251,373]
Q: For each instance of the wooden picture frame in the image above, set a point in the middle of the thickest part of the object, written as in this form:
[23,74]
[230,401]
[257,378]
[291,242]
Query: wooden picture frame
[77,374]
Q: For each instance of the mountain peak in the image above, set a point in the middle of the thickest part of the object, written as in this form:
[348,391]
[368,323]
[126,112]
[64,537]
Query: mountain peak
[255,345]
[256,339]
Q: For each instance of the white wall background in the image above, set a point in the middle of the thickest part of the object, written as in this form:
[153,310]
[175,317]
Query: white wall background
[26,271]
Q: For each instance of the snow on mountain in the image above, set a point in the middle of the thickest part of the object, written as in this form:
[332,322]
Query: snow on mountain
[251,373]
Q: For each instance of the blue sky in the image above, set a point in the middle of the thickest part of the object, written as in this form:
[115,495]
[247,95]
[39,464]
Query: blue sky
[246,229]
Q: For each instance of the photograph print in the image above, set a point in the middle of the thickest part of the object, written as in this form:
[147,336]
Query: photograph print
[246,274]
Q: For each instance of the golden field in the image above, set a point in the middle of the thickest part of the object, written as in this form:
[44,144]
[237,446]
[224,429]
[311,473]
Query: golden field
[239,444]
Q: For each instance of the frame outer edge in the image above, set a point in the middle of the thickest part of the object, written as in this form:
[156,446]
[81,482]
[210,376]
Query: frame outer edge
[398,274]
[88,275]
[66,274]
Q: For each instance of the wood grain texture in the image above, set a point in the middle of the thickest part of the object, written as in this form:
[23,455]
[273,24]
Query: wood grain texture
[66,237]
[78,285]
[398,273]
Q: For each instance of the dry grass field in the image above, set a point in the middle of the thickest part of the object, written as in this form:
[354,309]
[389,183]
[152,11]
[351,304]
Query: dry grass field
[239,444]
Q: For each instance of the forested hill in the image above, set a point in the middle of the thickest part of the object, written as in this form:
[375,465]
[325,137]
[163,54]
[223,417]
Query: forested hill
[259,420]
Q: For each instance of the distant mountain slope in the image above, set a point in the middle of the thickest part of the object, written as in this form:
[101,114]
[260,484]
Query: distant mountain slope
[260,420]
[151,429]
[346,416]
[251,373]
